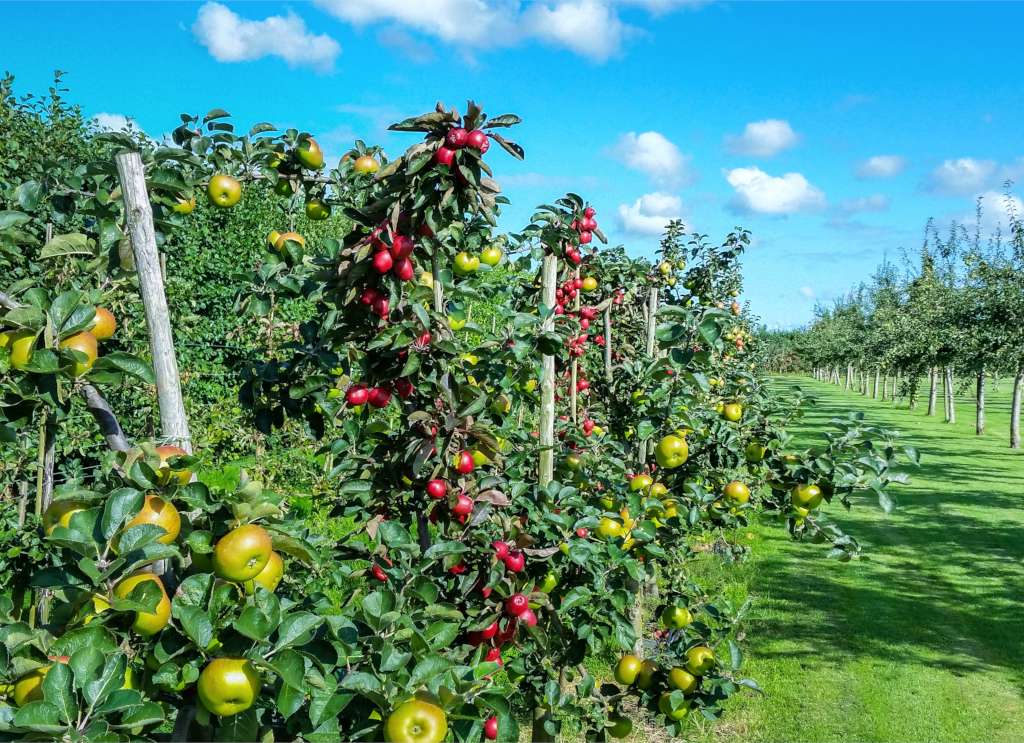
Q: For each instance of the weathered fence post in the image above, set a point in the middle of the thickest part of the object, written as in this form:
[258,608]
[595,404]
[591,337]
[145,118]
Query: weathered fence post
[979,399]
[546,470]
[608,344]
[1018,381]
[139,219]
[650,310]
[933,389]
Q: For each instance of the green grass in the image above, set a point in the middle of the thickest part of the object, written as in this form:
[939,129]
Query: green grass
[924,639]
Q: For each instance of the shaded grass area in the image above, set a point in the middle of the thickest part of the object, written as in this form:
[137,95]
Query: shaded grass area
[922,640]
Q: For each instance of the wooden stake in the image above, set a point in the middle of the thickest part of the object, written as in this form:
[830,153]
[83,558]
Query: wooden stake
[139,218]
[608,344]
[546,470]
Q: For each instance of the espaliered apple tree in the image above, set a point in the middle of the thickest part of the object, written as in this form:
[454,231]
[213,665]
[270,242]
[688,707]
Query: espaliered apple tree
[114,650]
[429,460]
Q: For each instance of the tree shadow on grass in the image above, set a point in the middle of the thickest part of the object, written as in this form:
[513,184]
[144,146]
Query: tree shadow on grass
[943,585]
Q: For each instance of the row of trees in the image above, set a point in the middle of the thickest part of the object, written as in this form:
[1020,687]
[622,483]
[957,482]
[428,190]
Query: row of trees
[954,312]
[507,500]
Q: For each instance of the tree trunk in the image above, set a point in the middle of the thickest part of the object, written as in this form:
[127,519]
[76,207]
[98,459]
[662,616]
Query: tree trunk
[933,375]
[979,399]
[849,377]
[1015,409]
[874,389]
[950,401]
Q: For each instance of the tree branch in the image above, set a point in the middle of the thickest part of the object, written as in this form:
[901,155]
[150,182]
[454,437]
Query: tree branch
[105,418]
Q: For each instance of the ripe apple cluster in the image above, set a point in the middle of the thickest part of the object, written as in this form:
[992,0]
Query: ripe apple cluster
[585,229]
[458,138]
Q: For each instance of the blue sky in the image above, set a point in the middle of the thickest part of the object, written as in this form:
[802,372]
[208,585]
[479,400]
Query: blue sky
[833,131]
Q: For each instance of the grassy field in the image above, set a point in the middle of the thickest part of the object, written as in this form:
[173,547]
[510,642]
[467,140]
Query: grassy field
[924,639]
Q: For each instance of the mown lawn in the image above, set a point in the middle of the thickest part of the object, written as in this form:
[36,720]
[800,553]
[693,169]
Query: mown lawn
[924,639]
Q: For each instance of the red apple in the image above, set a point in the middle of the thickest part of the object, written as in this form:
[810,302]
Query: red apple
[382,261]
[444,156]
[379,397]
[517,604]
[357,395]
[455,138]
[381,307]
[478,141]
[515,561]
[437,488]
[463,505]
[403,269]
[491,728]
[500,549]
[402,246]
[464,465]
[528,617]
[404,388]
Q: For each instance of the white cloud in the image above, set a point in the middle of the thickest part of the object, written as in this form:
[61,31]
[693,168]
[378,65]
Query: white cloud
[963,176]
[649,214]
[654,155]
[873,203]
[762,138]
[881,166]
[114,122]
[470,22]
[659,7]
[590,28]
[231,38]
[807,292]
[757,191]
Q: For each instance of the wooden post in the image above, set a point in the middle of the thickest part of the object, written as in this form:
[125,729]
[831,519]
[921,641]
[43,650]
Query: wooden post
[608,344]
[546,465]
[1018,380]
[979,417]
[546,468]
[139,218]
[933,378]
[652,321]
[950,399]
[650,312]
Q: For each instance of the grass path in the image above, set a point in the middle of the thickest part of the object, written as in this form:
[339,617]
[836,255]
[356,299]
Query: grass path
[923,640]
